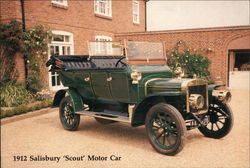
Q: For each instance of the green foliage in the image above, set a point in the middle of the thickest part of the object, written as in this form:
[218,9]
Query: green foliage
[35,49]
[34,82]
[33,43]
[12,94]
[25,108]
[10,44]
[36,40]
[191,61]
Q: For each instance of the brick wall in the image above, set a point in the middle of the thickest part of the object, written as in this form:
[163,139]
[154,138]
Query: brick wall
[10,10]
[216,39]
[20,67]
[78,18]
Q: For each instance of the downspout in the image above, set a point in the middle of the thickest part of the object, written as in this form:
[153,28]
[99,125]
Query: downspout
[23,15]
[24,29]
[146,15]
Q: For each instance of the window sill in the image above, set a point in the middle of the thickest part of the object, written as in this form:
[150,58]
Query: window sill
[57,5]
[103,16]
[136,24]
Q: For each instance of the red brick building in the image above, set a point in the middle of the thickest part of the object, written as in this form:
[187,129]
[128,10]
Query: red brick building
[230,45]
[73,23]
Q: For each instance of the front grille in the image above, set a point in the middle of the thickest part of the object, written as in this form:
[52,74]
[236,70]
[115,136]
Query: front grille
[198,89]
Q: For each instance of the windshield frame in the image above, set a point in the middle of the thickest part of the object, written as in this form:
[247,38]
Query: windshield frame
[124,51]
[119,45]
[138,61]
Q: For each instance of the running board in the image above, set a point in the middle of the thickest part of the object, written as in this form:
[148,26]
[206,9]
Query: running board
[105,116]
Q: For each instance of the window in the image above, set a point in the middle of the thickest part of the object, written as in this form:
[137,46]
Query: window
[61,44]
[103,48]
[136,12]
[103,7]
[60,2]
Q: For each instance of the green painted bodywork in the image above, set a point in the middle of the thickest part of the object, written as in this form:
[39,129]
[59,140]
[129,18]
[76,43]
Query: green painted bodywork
[119,89]
[74,95]
[156,85]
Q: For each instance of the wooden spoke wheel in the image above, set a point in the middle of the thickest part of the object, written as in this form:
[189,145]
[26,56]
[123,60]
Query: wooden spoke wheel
[221,121]
[166,129]
[68,118]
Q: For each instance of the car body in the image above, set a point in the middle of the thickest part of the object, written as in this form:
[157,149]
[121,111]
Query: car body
[132,83]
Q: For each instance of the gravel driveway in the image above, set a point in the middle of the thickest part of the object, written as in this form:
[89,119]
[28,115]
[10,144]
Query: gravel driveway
[40,141]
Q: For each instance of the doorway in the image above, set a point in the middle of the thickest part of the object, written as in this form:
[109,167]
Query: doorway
[239,69]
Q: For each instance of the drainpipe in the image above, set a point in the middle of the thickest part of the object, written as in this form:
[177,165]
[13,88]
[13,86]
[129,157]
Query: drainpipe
[146,15]
[24,29]
[23,15]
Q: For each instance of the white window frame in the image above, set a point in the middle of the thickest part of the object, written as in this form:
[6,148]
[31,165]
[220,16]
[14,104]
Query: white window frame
[98,45]
[136,14]
[60,2]
[107,9]
[70,44]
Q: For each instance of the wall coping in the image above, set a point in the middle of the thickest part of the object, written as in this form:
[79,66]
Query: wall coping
[228,28]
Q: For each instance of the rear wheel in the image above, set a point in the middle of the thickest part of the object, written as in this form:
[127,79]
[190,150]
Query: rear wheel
[166,129]
[221,121]
[68,118]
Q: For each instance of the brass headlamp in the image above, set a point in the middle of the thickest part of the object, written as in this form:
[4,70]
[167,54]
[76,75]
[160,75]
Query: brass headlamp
[223,96]
[196,101]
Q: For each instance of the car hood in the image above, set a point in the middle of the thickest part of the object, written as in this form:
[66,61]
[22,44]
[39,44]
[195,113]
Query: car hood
[159,85]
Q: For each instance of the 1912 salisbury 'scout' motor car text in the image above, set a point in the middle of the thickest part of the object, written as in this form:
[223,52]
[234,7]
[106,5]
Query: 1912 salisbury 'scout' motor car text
[131,83]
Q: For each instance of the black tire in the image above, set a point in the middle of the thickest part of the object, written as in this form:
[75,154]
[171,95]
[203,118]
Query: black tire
[221,121]
[104,121]
[68,118]
[166,129]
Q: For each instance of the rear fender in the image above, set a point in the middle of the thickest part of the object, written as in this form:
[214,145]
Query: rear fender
[75,97]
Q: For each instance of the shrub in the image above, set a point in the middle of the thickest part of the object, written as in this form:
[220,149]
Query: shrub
[192,61]
[10,44]
[24,109]
[35,49]
[34,82]
[12,94]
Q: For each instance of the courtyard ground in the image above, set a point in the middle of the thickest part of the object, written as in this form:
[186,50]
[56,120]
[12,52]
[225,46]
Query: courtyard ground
[32,135]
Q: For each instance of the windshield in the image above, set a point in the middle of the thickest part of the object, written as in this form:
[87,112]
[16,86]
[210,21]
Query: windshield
[145,52]
[135,52]
[105,48]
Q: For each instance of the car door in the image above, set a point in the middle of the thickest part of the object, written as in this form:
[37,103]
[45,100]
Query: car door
[100,84]
[84,85]
[119,85]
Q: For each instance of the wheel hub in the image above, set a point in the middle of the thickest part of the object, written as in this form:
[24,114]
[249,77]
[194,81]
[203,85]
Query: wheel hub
[213,117]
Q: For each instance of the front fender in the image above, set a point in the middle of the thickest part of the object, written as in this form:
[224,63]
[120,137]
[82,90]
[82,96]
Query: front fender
[75,97]
[141,109]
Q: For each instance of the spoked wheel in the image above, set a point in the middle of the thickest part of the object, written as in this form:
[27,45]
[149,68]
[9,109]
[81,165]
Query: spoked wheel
[166,129]
[221,121]
[69,119]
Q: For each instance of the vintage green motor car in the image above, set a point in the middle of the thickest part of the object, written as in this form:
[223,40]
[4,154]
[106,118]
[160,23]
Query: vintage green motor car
[131,83]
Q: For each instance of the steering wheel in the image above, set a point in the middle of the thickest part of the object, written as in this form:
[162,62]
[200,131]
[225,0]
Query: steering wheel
[120,61]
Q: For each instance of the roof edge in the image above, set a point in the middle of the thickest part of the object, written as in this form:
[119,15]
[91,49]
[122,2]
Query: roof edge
[226,28]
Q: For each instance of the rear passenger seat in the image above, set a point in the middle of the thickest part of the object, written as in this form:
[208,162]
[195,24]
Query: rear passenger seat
[96,62]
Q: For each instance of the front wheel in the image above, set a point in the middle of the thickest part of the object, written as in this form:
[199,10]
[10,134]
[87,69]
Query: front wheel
[221,121]
[68,118]
[166,129]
